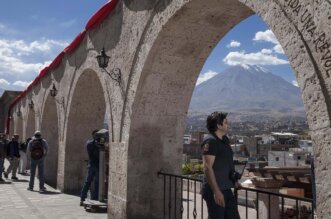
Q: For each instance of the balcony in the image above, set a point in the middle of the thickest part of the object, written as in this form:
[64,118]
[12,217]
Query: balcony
[182,199]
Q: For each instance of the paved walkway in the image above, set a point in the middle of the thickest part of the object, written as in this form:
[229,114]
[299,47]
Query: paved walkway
[16,202]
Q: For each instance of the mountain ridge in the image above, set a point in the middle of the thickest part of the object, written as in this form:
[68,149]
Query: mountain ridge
[251,90]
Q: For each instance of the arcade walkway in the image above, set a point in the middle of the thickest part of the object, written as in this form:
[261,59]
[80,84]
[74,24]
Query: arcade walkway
[16,202]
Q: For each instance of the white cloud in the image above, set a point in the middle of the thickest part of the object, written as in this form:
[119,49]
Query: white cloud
[295,83]
[16,55]
[68,23]
[233,44]
[4,83]
[258,58]
[279,49]
[12,65]
[22,83]
[266,51]
[206,76]
[267,36]
[28,48]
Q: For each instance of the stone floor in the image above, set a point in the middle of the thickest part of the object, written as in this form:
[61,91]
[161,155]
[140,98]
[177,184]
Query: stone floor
[16,202]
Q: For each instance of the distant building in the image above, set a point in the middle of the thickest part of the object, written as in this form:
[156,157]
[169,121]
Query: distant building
[293,158]
[275,141]
[5,101]
[192,144]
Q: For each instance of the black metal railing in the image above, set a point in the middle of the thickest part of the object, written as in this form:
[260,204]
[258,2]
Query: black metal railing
[182,199]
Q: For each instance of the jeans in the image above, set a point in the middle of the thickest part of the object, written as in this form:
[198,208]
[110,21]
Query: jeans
[13,165]
[1,166]
[92,172]
[217,212]
[34,164]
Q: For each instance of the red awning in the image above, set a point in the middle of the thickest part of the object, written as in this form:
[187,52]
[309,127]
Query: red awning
[101,15]
[57,61]
[75,43]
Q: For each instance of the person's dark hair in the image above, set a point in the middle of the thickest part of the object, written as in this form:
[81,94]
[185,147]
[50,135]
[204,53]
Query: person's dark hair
[28,140]
[214,119]
[94,131]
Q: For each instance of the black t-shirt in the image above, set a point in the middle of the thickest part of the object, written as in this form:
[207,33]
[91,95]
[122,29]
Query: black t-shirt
[223,164]
[93,153]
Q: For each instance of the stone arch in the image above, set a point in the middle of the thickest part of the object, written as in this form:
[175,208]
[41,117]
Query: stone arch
[30,124]
[170,70]
[86,112]
[49,129]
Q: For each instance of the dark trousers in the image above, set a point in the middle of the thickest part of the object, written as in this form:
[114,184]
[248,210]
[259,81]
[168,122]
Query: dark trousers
[92,173]
[217,212]
[34,164]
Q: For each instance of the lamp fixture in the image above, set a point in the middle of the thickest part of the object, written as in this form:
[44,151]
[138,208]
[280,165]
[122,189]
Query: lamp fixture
[53,91]
[31,104]
[103,60]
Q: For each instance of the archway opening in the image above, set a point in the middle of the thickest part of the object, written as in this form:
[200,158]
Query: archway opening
[87,113]
[164,92]
[49,130]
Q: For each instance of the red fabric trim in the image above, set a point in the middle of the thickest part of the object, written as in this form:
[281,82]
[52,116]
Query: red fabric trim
[101,15]
[43,73]
[57,61]
[75,43]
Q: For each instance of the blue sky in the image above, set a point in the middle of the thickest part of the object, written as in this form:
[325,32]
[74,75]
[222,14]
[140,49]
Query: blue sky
[33,32]
[251,42]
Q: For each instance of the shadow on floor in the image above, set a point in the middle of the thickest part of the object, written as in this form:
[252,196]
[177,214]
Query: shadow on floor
[20,180]
[50,193]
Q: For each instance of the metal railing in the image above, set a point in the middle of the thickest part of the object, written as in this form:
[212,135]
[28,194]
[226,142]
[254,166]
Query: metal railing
[182,199]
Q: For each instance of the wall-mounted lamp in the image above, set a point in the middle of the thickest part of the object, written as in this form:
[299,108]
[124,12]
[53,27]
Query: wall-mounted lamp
[103,60]
[31,104]
[19,113]
[53,91]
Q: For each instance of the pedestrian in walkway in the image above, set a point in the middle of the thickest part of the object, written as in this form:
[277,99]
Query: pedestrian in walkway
[2,153]
[37,150]
[23,157]
[13,157]
[92,169]
[218,170]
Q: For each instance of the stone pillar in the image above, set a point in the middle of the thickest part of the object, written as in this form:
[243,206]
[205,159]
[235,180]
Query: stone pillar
[117,184]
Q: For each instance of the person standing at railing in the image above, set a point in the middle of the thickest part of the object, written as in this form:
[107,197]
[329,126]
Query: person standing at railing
[218,169]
